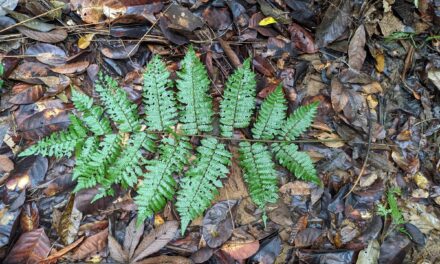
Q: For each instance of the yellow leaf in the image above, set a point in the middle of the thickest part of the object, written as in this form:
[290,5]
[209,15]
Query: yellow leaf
[380,62]
[267,21]
[84,41]
[158,220]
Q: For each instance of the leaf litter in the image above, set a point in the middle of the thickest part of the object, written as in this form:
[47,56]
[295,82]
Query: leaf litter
[373,66]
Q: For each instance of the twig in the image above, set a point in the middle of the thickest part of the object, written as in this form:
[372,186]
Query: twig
[30,19]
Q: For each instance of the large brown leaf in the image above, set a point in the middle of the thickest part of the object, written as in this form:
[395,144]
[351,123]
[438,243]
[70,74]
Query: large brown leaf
[156,240]
[31,247]
[30,94]
[47,53]
[334,23]
[92,244]
[356,49]
[29,172]
[53,36]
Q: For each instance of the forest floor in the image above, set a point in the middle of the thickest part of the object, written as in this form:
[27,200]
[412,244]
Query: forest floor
[374,67]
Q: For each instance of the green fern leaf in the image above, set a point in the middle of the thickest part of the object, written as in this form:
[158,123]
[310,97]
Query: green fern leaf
[60,144]
[238,101]
[117,105]
[298,163]
[160,105]
[98,163]
[83,156]
[271,115]
[259,174]
[193,85]
[200,183]
[159,185]
[298,121]
[128,167]
[93,115]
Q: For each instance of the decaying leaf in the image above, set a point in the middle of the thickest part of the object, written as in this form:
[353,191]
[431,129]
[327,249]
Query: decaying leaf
[71,68]
[6,165]
[84,41]
[91,245]
[47,53]
[116,251]
[217,223]
[241,250]
[31,247]
[133,234]
[55,256]
[155,240]
[69,222]
[369,255]
[356,49]
[30,218]
[53,36]
[334,23]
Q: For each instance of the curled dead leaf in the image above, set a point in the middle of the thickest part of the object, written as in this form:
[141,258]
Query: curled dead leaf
[91,245]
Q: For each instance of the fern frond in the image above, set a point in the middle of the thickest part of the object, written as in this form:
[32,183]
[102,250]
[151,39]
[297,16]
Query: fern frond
[128,167]
[298,121]
[92,115]
[159,185]
[160,104]
[117,105]
[238,100]
[298,163]
[200,183]
[193,85]
[259,174]
[271,115]
[396,215]
[84,155]
[98,163]
[61,143]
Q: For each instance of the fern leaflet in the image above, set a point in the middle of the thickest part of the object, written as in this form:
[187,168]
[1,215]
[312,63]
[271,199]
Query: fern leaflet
[238,100]
[193,85]
[128,167]
[200,183]
[159,185]
[160,105]
[298,163]
[271,115]
[62,143]
[93,115]
[298,121]
[117,105]
[259,174]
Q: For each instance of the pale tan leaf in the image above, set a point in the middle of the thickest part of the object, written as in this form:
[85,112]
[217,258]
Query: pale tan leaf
[156,240]
[116,251]
[133,235]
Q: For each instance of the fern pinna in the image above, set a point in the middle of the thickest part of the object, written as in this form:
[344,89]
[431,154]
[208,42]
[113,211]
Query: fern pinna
[110,139]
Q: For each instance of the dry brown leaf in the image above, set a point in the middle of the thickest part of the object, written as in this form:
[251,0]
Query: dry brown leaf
[380,62]
[6,165]
[69,223]
[240,250]
[372,88]
[133,235]
[296,188]
[356,49]
[31,247]
[156,240]
[324,136]
[338,95]
[76,67]
[166,260]
[30,218]
[55,256]
[91,245]
[116,251]
[53,36]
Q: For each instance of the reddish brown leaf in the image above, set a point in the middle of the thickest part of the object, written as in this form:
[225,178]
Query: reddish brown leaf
[240,250]
[263,66]
[31,247]
[76,67]
[29,219]
[55,256]
[53,36]
[120,52]
[217,18]
[356,49]
[30,72]
[28,95]
[302,39]
[91,245]
[6,165]
[44,123]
